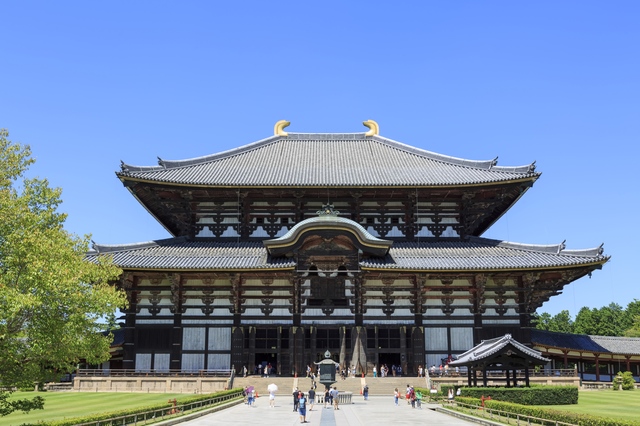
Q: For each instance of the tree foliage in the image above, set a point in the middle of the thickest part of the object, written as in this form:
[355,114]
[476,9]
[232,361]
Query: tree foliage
[610,320]
[50,298]
[560,322]
[624,381]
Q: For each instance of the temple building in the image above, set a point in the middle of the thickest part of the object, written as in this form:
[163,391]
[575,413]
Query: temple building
[353,243]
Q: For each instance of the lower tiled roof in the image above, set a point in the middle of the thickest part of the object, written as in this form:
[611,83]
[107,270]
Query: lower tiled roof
[487,349]
[473,254]
[586,343]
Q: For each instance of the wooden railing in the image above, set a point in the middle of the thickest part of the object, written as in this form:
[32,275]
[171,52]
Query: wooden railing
[556,372]
[174,410]
[89,372]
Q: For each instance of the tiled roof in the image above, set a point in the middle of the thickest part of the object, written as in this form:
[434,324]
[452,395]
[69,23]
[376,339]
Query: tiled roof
[488,348]
[583,342]
[480,254]
[321,159]
[473,254]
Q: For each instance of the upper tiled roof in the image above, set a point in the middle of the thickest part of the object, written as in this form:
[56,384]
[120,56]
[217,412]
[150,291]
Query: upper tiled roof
[321,159]
[583,342]
[488,348]
[473,254]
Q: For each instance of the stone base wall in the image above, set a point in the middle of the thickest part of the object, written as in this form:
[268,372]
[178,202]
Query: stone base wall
[150,384]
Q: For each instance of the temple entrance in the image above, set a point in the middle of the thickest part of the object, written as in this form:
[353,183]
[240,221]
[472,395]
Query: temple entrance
[390,359]
[268,360]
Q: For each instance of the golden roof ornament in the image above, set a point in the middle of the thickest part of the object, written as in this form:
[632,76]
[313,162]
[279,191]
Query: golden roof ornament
[278,129]
[374,129]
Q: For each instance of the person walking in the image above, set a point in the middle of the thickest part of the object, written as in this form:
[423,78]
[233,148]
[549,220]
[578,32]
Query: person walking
[295,399]
[302,408]
[365,392]
[327,397]
[396,396]
[272,399]
[312,398]
[334,397]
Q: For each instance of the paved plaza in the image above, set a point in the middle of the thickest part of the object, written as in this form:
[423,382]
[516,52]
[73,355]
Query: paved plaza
[378,410]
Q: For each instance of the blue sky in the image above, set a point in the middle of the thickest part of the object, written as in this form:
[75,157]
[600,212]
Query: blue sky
[87,84]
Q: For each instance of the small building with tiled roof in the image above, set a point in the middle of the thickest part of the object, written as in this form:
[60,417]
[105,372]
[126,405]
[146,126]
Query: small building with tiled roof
[301,243]
[595,358]
[504,354]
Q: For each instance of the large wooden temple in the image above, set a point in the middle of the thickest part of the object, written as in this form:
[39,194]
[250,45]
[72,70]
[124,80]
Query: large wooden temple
[301,243]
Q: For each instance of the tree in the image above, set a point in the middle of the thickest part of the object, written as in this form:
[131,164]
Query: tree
[609,320]
[50,298]
[560,322]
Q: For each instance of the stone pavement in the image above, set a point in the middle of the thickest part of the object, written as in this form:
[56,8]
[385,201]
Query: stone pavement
[378,410]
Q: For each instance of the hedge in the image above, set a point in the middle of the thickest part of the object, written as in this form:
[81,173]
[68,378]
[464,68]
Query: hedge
[557,415]
[535,395]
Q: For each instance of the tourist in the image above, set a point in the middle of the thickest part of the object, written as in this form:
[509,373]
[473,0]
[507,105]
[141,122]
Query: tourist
[419,399]
[312,398]
[396,396]
[450,395]
[327,398]
[295,399]
[365,392]
[272,398]
[375,371]
[302,408]
[334,397]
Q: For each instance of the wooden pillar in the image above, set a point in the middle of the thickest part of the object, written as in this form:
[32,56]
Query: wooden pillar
[468,375]
[176,308]
[129,356]
[526,376]
[566,359]
[627,362]
[508,379]
[475,378]
[485,382]
[515,378]
[597,367]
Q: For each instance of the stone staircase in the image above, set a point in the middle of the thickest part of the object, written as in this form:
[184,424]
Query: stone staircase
[377,385]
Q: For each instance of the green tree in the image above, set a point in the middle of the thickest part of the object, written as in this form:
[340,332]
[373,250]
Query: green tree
[561,322]
[50,298]
[584,322]
[609,320]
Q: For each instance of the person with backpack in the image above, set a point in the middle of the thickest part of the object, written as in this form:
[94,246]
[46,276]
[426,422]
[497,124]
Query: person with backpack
[302,407]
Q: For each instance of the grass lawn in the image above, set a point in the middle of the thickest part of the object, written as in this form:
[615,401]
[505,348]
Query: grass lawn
[606,403]
[59,405]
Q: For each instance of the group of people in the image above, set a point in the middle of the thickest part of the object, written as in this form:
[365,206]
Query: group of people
[396,371]
[441,370]
[412,396]
[300,402]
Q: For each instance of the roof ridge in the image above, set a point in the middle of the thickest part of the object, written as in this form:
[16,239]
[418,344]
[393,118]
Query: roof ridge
[559,249]
[109,248]
[358,136]
[172,164]
[479,164]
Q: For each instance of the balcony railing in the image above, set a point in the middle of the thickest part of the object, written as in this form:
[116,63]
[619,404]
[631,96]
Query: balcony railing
[96,372]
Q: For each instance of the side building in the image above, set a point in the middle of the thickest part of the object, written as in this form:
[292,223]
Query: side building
[353,243]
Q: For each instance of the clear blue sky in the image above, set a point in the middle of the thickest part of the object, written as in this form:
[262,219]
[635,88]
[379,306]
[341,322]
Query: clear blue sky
[87,84]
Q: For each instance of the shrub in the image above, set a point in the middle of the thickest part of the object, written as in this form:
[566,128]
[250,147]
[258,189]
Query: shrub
[534,395]
[624,380]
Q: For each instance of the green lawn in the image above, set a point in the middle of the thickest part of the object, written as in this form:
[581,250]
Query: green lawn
[606,403]
[59,405]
